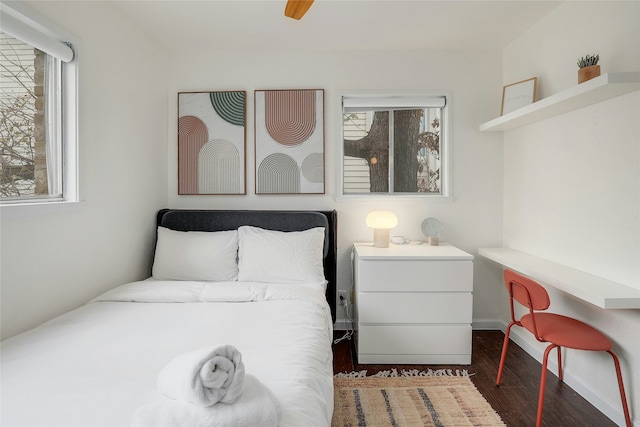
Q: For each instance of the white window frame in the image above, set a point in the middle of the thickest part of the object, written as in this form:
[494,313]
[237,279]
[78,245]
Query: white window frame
[70,199]
[405,99]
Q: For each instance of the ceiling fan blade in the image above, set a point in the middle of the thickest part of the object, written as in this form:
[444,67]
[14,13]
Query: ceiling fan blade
[297,8]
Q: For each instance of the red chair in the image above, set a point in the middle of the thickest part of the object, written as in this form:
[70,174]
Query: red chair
[557,330]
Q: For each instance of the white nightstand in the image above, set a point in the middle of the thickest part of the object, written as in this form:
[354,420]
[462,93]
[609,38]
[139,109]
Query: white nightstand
[413,304]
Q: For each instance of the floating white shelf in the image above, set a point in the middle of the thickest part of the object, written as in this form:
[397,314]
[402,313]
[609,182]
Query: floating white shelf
[596,90]
[592,289]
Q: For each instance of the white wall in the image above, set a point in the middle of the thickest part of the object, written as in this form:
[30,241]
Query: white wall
[471,220]
[54,262]
[572,183]
[572,213]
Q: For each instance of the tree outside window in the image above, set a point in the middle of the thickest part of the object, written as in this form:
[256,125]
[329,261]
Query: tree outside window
[393,150]
[23,158]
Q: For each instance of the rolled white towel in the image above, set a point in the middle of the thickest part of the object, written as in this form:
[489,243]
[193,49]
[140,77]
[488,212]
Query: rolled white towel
[256,407]
[205,376]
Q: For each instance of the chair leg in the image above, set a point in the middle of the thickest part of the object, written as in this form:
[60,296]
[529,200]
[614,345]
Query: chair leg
[505,344]
[623,396]
[560,375]
[543,383]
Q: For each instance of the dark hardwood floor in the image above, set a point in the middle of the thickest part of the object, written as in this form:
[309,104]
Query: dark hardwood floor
[516,399]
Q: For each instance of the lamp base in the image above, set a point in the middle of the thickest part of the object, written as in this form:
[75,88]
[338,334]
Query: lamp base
[380,238]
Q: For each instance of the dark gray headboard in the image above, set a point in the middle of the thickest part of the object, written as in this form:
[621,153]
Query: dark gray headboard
[221,220]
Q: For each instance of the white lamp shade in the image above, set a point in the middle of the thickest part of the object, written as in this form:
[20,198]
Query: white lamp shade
[385,220]
[381,222]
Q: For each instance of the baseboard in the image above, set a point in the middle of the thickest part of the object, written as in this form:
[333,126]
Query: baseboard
[601,402]
[487,325]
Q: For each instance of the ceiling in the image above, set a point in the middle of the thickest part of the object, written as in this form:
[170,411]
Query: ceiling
[335,24]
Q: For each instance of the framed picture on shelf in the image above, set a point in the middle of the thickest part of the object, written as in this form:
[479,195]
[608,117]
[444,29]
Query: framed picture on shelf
[518,95]
[212,142]
[289,141]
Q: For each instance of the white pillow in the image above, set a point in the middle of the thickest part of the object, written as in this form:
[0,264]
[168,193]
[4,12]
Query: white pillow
[278,256]
[196,255]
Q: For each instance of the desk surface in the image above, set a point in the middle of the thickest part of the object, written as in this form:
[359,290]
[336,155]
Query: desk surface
[592,289]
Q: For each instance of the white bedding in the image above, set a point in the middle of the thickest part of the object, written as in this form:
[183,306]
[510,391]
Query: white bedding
[96,365]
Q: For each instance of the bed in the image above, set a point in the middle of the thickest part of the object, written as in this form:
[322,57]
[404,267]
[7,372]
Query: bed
[99,364]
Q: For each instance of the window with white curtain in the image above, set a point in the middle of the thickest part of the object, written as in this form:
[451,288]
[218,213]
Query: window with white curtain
[395,144]
[38,148]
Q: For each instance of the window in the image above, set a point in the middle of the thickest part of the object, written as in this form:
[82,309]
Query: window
[395,145]
[37,114]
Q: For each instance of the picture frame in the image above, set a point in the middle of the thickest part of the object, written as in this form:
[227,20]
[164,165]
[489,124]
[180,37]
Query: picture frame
[289,141]
[518,95]
[212,143]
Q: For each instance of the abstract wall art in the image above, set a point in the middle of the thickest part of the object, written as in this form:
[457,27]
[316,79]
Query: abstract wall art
[289,141]
[211,142]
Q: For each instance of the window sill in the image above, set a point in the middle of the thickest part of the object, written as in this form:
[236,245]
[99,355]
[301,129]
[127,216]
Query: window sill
[23,210]
[371,197]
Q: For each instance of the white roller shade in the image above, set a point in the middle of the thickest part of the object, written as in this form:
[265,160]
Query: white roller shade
[356,104]
[23,29]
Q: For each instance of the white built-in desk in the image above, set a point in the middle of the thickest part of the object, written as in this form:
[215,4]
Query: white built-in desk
[595,290]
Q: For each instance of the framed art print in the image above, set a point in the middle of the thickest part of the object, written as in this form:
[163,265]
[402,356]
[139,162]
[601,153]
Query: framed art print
[211,142]
[518,95]
[289,141]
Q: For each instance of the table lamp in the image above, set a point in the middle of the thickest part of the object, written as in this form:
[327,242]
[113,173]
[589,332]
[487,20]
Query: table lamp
[381,222]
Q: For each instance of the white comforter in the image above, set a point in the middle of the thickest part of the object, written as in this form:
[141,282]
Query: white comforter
[96,365]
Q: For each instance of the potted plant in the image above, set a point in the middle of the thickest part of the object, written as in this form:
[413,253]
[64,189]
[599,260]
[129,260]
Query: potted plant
[589,68]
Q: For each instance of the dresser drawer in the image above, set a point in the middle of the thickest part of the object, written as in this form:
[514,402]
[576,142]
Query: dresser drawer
[414,339]
[411,307]
[414,275]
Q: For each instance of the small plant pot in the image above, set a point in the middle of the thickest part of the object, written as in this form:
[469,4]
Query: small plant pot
[588,73]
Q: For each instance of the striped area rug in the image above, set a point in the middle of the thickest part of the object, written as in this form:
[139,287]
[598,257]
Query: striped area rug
[429,400]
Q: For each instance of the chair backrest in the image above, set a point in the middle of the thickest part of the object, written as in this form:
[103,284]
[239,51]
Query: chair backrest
[526,291]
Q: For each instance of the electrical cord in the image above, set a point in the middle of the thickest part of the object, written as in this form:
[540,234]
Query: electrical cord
[349,333]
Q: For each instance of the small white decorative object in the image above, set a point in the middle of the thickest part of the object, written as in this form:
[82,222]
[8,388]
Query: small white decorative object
[399,240]
[432,229]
